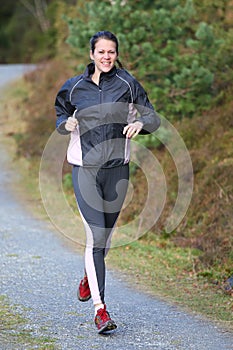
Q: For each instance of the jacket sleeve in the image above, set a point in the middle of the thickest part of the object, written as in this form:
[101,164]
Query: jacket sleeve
[148,116]
[64,109]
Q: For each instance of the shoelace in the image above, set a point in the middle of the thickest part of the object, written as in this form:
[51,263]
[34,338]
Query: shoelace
[103,314]
[84,281]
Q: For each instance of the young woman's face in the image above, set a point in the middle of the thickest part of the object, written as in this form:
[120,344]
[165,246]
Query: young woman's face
[104,55]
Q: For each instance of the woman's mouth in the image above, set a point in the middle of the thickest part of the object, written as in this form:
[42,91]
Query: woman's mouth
[106,64]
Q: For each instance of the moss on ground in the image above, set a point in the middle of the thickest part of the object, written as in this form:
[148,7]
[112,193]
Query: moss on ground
[15,329]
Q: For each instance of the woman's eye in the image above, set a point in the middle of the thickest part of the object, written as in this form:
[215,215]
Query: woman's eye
[110,52]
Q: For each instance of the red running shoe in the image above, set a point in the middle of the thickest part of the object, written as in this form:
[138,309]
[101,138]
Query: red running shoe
[84,293]
[103,321]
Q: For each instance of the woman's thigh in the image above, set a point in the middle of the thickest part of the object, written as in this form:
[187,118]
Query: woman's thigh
[89,200]
[100,193]
[115,185]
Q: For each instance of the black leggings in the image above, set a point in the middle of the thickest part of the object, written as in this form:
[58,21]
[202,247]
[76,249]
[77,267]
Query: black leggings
[100,193]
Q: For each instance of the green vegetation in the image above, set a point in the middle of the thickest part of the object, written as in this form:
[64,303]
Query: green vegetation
[175,54]
[181,52]
[43,18]
[181,59]
[14,329]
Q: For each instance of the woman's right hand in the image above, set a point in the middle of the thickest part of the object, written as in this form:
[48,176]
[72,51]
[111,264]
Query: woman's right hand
[71,124]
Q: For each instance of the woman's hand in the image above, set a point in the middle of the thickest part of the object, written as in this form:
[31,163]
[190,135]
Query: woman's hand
[71,124]
[131,130]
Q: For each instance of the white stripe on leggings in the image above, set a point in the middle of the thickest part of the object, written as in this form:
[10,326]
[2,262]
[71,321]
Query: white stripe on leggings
[90,265]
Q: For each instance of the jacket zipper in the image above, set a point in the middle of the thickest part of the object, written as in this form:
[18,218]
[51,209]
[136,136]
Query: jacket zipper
[103,153]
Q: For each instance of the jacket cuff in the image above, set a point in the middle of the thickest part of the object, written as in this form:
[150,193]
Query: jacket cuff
[62,130]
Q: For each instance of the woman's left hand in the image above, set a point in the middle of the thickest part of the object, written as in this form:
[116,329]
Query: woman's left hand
[131,130]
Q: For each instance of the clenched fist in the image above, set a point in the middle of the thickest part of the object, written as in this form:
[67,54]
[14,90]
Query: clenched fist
[131,130]
[71,124]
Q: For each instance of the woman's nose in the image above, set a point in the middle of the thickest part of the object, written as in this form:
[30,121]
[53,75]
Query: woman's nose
[106,55]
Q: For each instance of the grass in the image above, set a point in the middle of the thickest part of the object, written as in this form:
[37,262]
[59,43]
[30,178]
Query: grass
[155,262]
[168,272]
[16,330]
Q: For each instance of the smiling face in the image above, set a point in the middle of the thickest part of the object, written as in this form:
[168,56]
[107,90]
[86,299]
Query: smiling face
[104,55]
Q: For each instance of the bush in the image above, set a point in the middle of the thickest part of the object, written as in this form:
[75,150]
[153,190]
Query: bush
[174,54]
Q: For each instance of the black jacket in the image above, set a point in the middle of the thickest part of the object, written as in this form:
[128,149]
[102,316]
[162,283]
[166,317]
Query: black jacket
[102,112]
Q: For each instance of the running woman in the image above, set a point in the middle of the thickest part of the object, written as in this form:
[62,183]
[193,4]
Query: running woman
[102,109]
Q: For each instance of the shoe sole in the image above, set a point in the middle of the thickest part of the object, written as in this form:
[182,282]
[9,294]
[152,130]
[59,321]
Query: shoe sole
[84,299]
[109,326]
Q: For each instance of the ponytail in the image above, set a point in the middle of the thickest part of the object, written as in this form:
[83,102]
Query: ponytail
[119,64]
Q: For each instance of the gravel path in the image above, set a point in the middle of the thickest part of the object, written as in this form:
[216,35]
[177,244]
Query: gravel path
[40,271]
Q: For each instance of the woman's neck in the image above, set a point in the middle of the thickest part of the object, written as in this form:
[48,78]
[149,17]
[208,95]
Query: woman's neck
[96,77]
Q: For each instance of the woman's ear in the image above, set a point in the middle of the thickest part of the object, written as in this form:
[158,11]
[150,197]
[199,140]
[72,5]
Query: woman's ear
[91,56]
